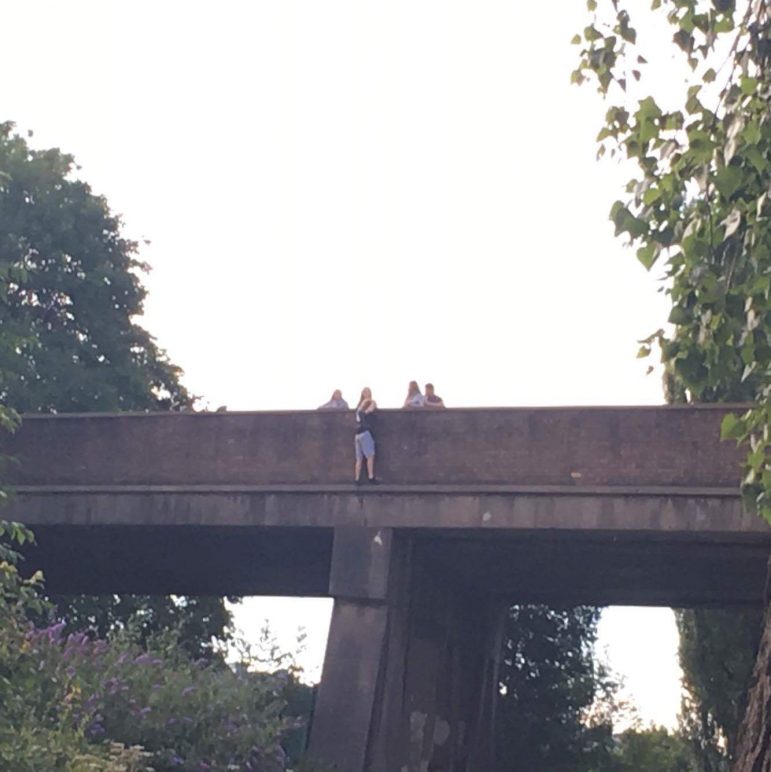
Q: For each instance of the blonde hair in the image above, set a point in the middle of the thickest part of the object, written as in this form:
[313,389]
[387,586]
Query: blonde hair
[366,396]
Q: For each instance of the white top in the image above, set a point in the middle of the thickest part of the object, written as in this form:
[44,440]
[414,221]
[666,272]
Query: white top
[335,404]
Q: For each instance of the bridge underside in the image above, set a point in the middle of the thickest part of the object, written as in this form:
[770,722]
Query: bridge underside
[554,567]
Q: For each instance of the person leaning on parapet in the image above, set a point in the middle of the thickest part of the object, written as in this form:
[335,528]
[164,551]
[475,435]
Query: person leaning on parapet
[432,399]
[336,403]
[364,440]
[414,397]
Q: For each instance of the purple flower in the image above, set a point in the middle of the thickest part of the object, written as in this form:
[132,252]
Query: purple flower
[100,647]
[76,643]
[54,632]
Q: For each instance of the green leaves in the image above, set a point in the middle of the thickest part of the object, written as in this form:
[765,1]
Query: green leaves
[728,180]
[550,678]
[626,222]
[69,294]
[733,428]
[647,117]
[698,203]
[647,255]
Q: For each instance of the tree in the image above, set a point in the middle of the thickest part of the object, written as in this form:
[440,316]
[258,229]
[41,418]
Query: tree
[551,684]
[753,745]
[638,750]
[698,205]
[69,293]
[717,652]
[201,624]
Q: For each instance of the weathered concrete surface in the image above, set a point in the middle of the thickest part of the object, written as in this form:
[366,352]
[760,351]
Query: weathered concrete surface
[674,510]
[410,676]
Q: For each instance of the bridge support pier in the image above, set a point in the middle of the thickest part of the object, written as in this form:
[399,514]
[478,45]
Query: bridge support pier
[410,675]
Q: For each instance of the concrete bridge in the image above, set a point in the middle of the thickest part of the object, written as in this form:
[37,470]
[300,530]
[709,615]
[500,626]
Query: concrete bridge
[477,509]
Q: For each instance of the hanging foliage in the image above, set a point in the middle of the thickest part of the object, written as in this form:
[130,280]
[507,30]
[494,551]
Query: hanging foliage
[698,203]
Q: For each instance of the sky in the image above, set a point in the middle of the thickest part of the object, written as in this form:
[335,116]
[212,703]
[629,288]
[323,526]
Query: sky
[348,193]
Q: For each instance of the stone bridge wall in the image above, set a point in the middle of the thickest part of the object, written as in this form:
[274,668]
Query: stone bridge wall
[645,446]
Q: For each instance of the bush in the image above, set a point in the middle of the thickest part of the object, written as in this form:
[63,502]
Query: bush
[187,715]
[76,703]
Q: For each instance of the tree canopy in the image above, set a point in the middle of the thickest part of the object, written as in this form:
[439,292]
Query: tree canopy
[70,292]
[551,683]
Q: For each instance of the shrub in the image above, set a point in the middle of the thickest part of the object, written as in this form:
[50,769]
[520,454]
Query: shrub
[77,703]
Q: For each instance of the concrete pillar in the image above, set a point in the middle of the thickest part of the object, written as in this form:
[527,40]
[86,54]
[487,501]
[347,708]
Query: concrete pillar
[345,703]
[410,675]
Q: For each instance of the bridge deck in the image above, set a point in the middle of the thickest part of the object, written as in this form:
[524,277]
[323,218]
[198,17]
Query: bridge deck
[605,505]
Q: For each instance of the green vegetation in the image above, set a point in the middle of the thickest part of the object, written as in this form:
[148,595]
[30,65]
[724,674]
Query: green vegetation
[651,750]
[201,625]
[69,293]
[717,652]
[698,206]
[551,681]
[73,702]
[560,707]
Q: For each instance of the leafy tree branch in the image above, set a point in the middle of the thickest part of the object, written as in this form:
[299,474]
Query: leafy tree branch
[698,204]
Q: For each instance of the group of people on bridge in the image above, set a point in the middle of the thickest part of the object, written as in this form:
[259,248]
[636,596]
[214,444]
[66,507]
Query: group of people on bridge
[364,437]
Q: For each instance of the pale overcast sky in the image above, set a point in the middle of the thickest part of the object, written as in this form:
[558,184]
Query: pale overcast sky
[349,193]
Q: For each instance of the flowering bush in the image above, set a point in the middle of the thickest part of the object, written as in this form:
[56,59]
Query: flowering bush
[185,714]
[75,703]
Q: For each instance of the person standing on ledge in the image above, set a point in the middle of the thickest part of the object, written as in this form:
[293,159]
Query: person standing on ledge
[336,403]
[414,397]
[432,399]
[364,441]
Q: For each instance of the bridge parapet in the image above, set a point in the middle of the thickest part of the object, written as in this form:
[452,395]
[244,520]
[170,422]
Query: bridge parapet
[666,446]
